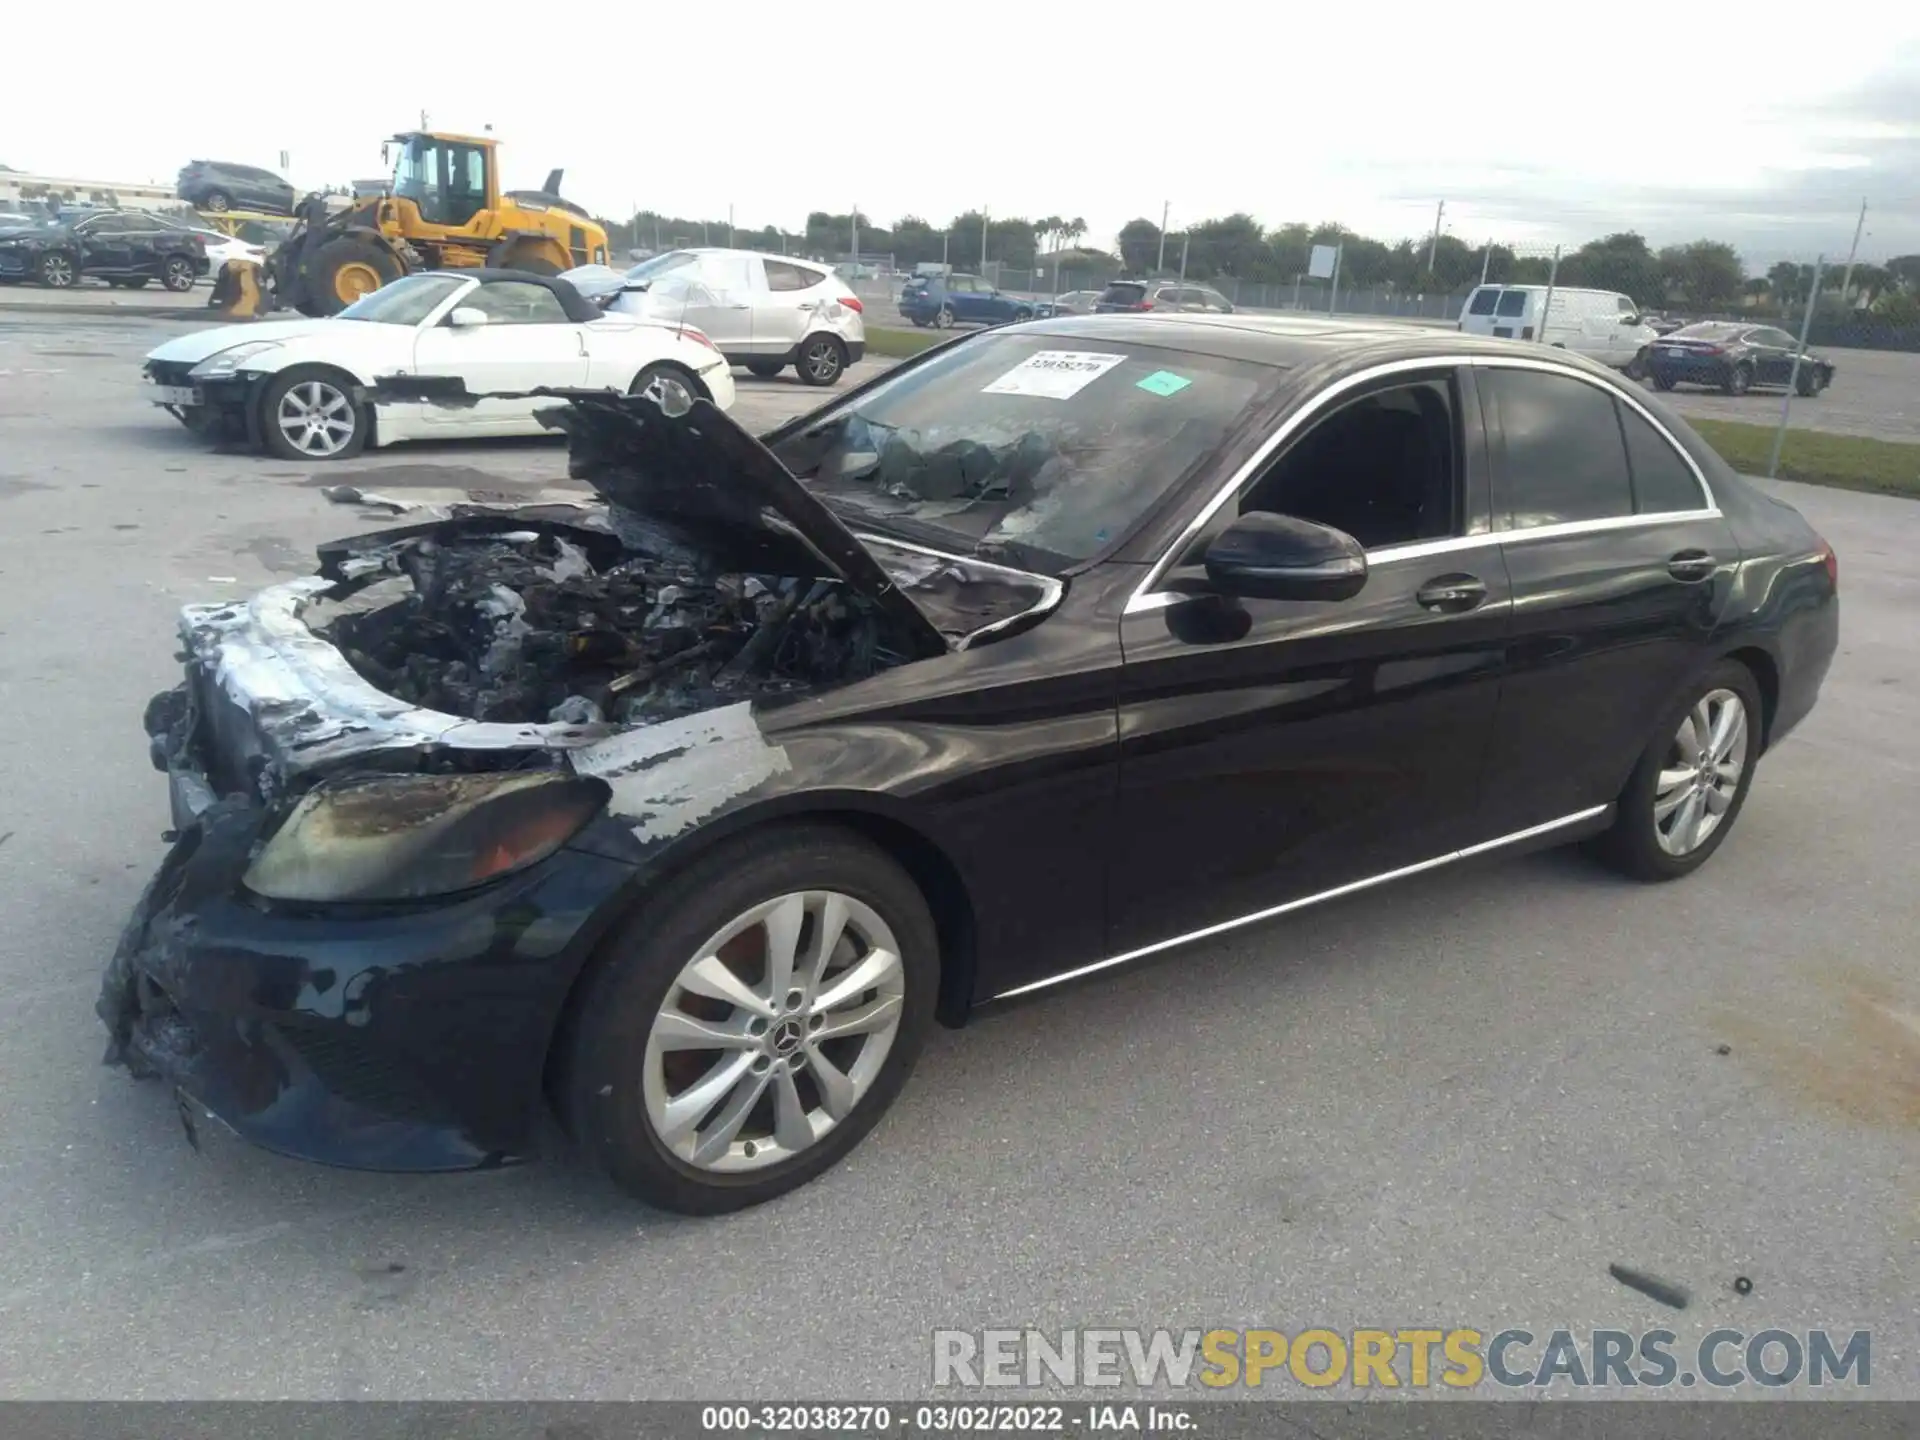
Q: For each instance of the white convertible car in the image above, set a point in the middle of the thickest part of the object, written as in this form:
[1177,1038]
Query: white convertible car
[304,389]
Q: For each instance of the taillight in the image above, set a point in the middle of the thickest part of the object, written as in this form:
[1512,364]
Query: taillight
[852,302]
[699,337]
[1144,305]
[1832,563]
[1713,350]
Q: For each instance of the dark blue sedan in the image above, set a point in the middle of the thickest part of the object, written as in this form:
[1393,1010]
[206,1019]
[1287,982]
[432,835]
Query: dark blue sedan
[963,299]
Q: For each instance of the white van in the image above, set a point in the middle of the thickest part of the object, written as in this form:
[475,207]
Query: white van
[1603,325]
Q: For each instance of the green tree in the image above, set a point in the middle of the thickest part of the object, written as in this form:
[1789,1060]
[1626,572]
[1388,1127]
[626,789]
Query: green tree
[1621,261]
[1707,272]
[1139,246]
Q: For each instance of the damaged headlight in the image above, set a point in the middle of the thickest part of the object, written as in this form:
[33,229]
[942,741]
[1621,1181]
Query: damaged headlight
[227,361]
[414,836]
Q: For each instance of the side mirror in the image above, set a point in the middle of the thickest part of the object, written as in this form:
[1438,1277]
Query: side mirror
[466,317]
[1629,319]
[1276,557]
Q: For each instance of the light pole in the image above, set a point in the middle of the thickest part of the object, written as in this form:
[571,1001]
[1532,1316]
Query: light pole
[1166,207]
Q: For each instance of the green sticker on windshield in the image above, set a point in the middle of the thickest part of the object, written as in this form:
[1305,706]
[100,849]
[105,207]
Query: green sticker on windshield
[1164,382]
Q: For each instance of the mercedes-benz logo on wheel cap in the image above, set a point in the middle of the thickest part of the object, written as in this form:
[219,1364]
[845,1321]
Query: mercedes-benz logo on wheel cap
[786,1037]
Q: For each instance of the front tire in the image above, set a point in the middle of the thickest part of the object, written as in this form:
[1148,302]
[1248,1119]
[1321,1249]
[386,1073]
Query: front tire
[1687,790]
[746,1029]
[822,359]
[311,414]
[347,269]
[59,270]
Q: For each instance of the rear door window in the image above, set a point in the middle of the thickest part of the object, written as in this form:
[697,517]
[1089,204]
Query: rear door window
[784,276]
[1482,301]
[1563,458]
[1662,479]
[1123,294]
[1513,303]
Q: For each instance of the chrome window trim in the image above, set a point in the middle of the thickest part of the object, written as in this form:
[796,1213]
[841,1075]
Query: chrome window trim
[1146,598]
[1274,911]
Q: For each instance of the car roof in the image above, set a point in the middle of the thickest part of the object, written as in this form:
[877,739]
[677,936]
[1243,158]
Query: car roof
[759,254]
[1289,341]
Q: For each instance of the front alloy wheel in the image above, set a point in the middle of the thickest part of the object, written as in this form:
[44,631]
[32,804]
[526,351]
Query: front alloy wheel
[58,272]
[741,1031]
[310,415]
[774,1031]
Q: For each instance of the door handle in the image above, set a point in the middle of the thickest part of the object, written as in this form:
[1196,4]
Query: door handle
[1452,594]
[1690,567]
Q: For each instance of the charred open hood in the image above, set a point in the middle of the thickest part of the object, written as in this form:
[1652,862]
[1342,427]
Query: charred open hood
[698,489]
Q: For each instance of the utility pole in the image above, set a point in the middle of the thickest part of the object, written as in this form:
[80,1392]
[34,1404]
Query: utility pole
[1433,246]
[855,217]
[983,239]
[1166,207]
[729,227]
[1183,255]
[1486,259]
[423,119]
[1793,380]
[1846,280]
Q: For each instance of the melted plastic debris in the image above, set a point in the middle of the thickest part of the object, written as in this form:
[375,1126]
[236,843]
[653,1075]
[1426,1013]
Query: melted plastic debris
[520,628]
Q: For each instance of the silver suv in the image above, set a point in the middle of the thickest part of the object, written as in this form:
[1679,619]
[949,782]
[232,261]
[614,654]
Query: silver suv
[1125,296]
[765,312]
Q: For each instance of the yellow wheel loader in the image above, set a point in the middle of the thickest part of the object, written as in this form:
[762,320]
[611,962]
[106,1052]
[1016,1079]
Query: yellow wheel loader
[443,211]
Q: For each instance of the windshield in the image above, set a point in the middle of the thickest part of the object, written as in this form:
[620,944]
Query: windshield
[660,264]
[1042,448]
[404,302]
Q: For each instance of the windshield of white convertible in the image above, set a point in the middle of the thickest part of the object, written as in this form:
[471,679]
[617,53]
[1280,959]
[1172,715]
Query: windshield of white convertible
[1044,448]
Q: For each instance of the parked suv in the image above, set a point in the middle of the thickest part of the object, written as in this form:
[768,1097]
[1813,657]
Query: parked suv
[217,185]
[941,301]
[1137,295]
[125,248]
[765,312]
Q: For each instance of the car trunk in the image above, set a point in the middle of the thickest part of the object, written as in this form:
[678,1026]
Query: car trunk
[708,576]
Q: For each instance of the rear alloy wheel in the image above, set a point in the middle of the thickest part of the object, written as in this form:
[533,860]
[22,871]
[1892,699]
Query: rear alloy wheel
[58,270]
[312,415]
[218,202]
[177,275]
[943,318]
[669,386]
[1687,790]
[822,359]
[1738,380]
[748,1028]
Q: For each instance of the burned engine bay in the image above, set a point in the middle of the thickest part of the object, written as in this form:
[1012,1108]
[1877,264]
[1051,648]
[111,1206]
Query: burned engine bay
[523,627]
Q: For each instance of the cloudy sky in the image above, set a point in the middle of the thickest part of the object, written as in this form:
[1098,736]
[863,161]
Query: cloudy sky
[1536,124]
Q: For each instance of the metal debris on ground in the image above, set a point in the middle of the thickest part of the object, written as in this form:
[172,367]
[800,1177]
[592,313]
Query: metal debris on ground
[352,495]
[1652,1286]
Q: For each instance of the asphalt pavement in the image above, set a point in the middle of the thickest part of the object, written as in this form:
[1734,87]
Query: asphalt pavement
[1454,1102]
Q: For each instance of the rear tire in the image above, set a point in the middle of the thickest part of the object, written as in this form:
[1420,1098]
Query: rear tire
[1662,382]
[1811,383]
[943,318]
[347,269]
[617,1075]
[218,202]
[823,359]
[1634,846]
[177,275]
[676,389]
[1738,380]
[765,369]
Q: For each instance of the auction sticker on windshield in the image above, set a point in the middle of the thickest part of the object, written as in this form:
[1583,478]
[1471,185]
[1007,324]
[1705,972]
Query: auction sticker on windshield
[1054,374]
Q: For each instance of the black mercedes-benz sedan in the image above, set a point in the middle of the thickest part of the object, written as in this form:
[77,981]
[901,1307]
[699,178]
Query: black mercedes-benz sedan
[687,813]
